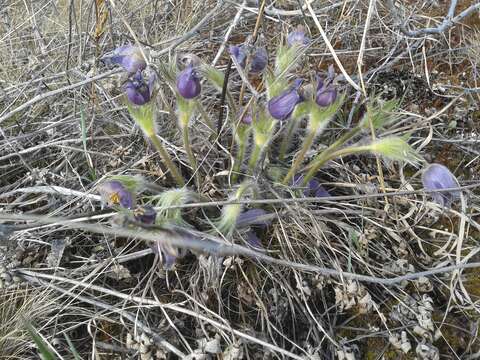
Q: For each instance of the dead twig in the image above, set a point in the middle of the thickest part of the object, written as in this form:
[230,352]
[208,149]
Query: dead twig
[447,22]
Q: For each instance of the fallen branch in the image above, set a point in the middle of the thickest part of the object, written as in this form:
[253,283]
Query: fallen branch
[194,240]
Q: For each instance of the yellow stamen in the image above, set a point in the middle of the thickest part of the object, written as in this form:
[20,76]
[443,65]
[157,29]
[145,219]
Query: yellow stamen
[115,198]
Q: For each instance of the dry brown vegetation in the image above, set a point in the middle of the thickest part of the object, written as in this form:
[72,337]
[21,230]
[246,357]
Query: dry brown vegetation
[61,134]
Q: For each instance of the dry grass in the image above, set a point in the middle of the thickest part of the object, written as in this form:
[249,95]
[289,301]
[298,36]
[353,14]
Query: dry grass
[114,300]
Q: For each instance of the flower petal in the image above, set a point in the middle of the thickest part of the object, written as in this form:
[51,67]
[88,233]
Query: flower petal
[438,177]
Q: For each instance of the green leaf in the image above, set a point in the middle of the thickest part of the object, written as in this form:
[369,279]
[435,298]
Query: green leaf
[73,350]
[84,142]
[43,347]
[379,114]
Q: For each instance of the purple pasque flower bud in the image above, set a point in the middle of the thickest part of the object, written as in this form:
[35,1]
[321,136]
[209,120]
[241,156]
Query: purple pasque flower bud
[129,57]
[281,106]
[297,37]
[312,189]
[326,92]
[113,193]
[138,91]
[145,214]
[258,60]
[188,83]
[438,177]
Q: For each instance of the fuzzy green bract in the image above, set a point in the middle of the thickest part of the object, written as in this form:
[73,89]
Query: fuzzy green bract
[395,148]
[144,116]
[321,116]
[230,213]
[168,200]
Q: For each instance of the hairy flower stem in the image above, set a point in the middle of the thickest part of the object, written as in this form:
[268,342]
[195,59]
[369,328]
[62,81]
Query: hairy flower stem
[349,151]
[336,154]
[287,139]
[307,143]
[175,172]
[323,157]
[242,147]
[254,157]
[191,156]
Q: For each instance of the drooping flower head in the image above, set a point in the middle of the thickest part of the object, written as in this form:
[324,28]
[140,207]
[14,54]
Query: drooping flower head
[138,91]
[438,177]
[258,59]
[145,214]
[188,83]
[298,37]
[113,193]
[281,107]
[129,57]
[326,93]
[312,189]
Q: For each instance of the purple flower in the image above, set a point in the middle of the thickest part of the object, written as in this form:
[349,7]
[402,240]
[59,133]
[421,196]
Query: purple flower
[113,193]
[258,60]
[239,53]
[312,189]
[326,92]
[129,57]
[281,107]
[188,83]
[298,37]
[145,214]
[437,177]
[253,217]
[137,90]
